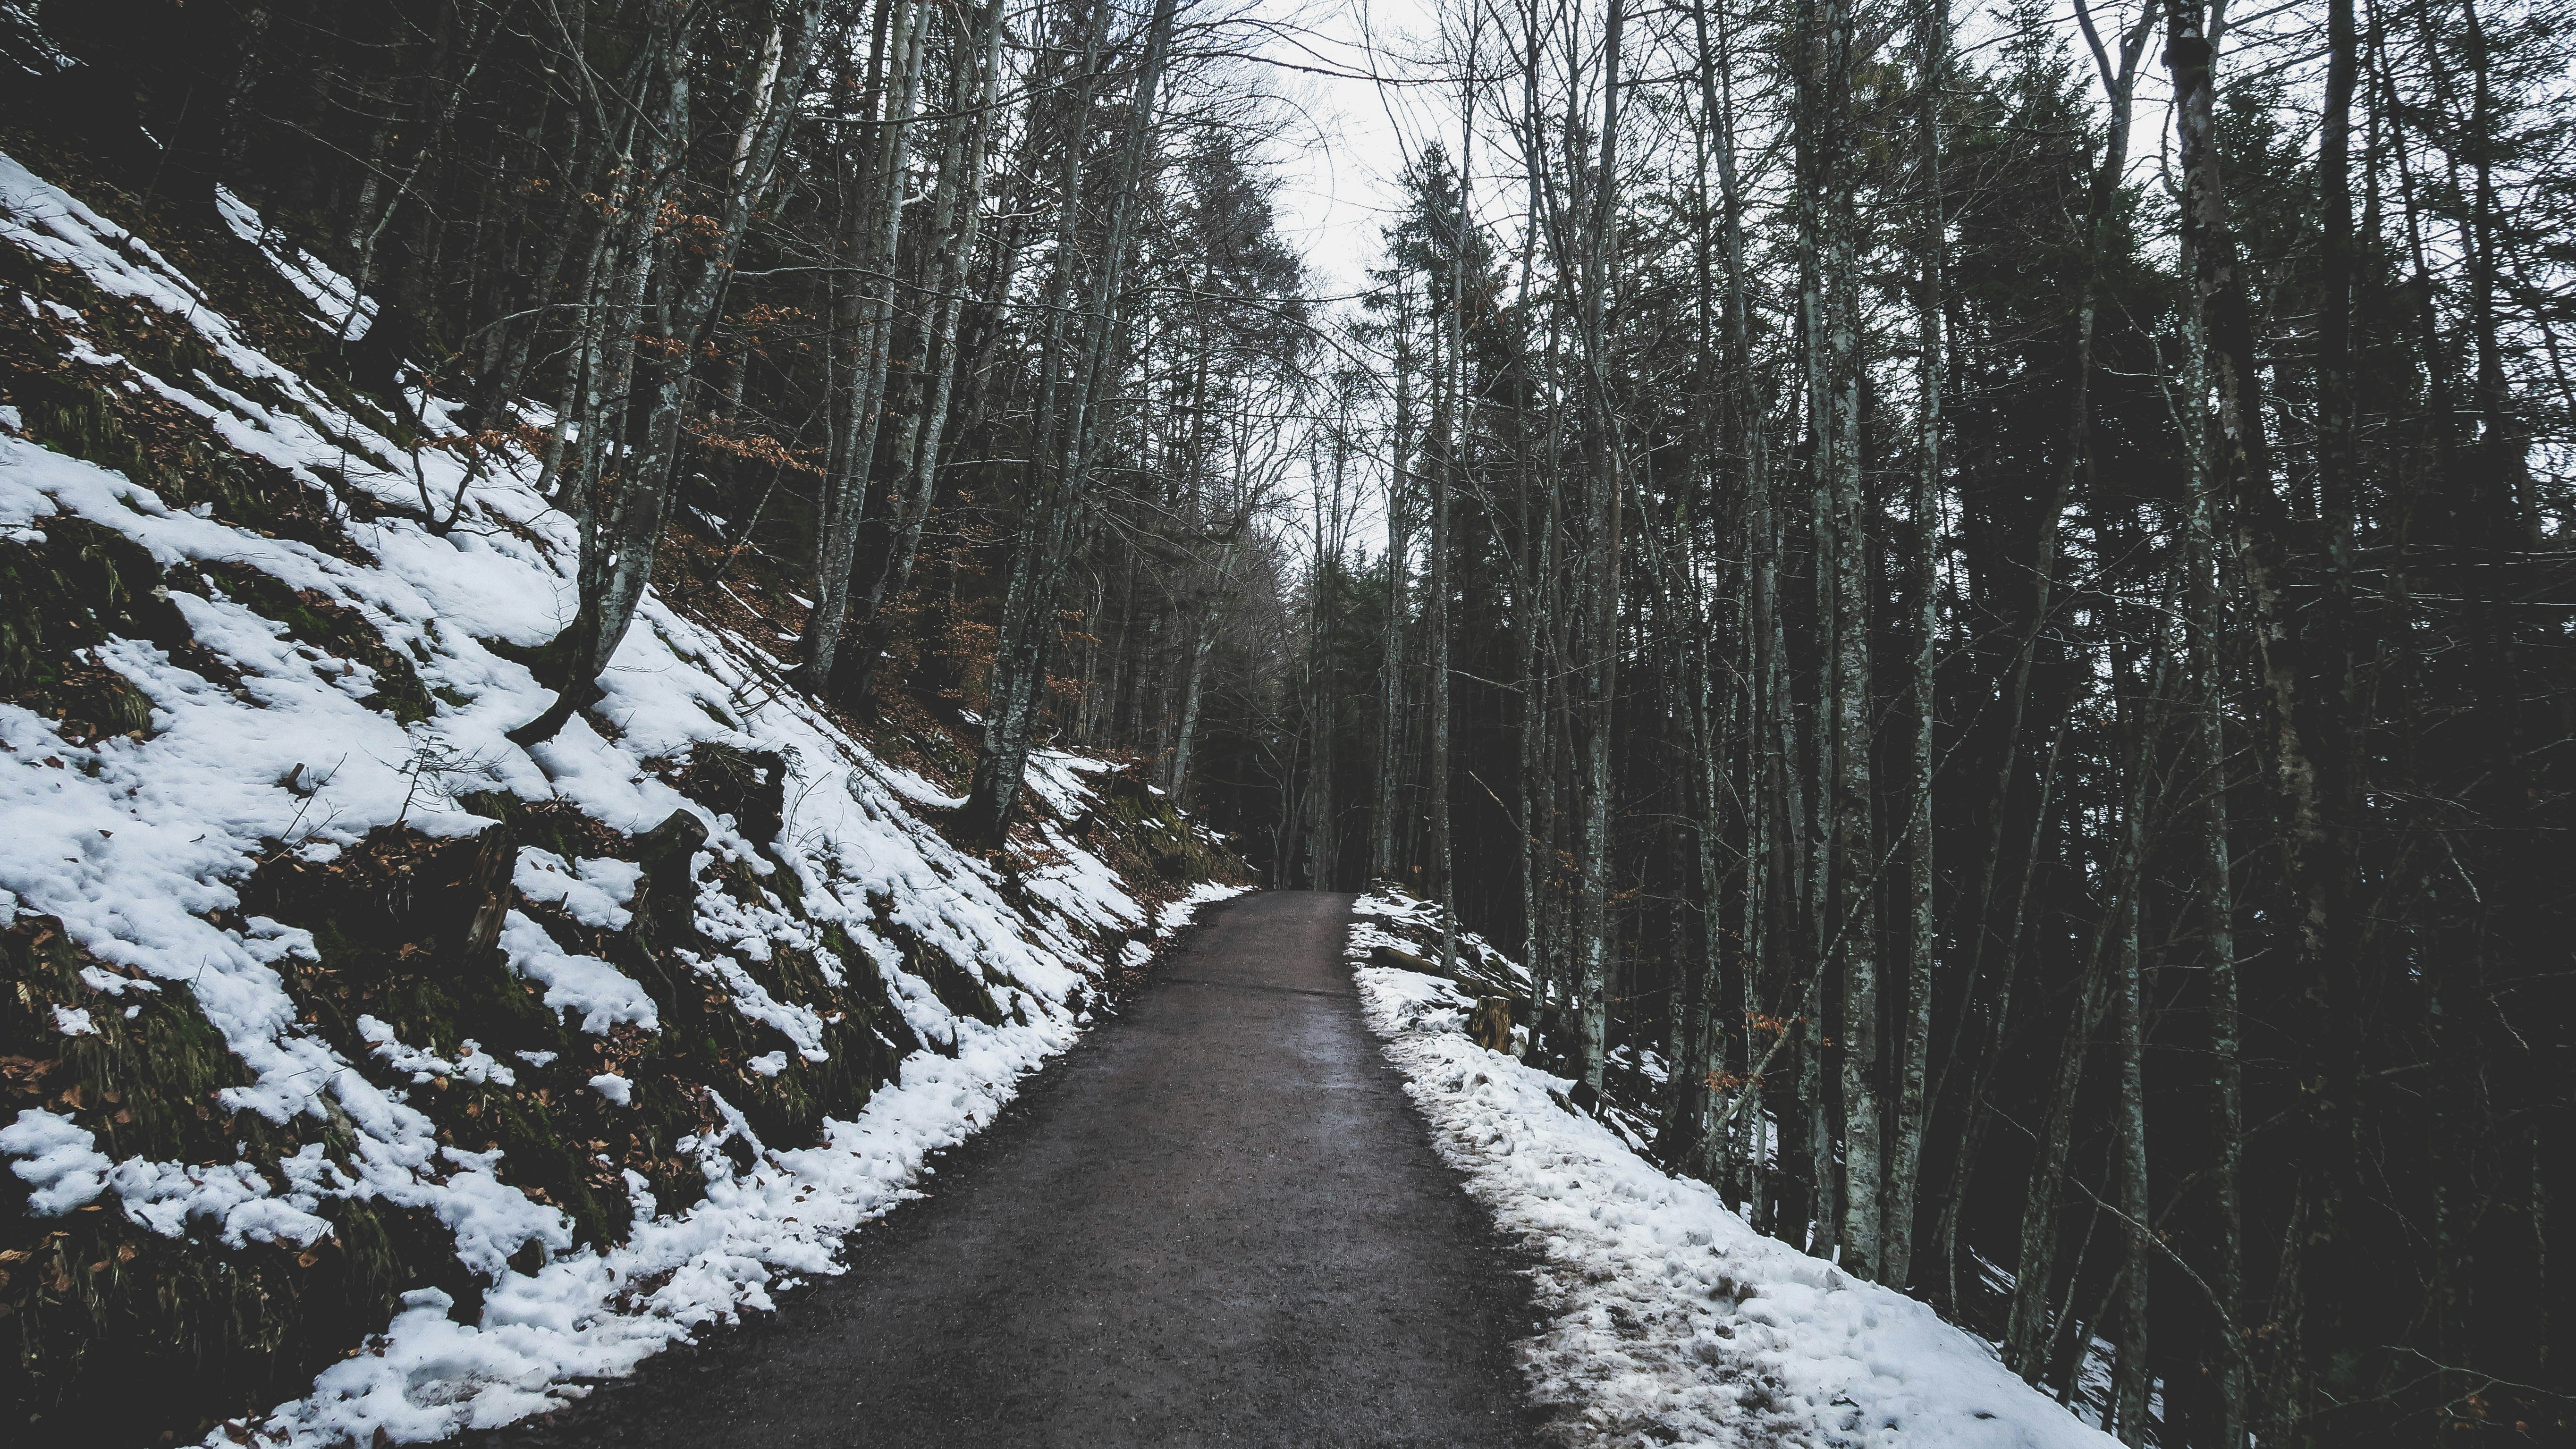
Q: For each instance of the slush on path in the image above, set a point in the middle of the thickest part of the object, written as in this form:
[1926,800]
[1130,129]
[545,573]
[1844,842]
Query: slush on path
[1217,1221]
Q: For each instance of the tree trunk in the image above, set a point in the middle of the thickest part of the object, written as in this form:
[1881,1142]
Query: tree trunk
[618,550]
[1391,692]
[1906,1152]
[1597,595]
[862,408]
[2203,620]
[2130,1372]
[1029,624]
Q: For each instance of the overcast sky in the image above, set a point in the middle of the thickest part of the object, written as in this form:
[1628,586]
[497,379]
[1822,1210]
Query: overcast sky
[1348,137]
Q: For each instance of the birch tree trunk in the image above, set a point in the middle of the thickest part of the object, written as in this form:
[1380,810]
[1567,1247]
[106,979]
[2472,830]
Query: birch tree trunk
[615,521]
[1534,792]
[618,549]
[1536,617]
[1855,839]
[1597,594]
[2202,620]
[1454,384]
[1905,1155]
[1390,736]
[1766,769]
[2130,1369]
[1845,871]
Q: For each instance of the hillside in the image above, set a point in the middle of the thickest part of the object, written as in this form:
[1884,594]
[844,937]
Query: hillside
[344,1037]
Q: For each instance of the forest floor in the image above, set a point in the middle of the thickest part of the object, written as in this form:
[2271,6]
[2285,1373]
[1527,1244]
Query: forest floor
[1216,1220]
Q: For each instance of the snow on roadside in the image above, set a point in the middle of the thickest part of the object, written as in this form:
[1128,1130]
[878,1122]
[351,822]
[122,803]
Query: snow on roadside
[1409,924]
[1667,1318]
[1176,914]
[137,846]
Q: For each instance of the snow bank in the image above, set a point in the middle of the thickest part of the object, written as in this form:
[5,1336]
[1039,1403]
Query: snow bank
[137,844]
[1669,1320]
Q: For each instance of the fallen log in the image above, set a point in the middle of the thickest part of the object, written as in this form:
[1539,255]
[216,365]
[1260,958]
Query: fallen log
[1405,961]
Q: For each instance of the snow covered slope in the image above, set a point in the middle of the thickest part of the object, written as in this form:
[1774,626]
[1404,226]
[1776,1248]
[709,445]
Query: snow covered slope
[350,1055]
[1669,1320]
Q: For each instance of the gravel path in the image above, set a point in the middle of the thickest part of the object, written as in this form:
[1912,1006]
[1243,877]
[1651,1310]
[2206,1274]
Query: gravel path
[1216,1221]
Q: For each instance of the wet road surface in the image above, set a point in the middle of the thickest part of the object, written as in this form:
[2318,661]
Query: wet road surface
[1216,1221]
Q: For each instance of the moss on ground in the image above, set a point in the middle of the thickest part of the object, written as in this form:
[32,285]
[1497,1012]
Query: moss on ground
[315,618]
[79,587]
[113,1331]
[1142,833]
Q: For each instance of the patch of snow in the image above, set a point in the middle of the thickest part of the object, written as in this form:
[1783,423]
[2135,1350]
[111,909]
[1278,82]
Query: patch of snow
[57,1158]
[243,1204]
[800,1024]
[615,1088]
[472,1064]
[604,996]
[111,984]
[593,892]
[1179,913]
[1052,778]
[334,297]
